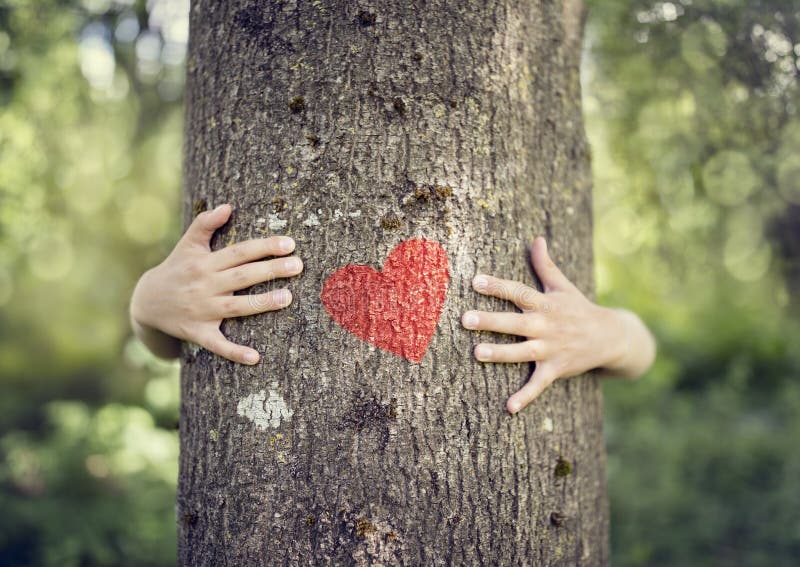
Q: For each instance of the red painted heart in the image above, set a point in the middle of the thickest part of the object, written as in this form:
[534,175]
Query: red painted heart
[396,309]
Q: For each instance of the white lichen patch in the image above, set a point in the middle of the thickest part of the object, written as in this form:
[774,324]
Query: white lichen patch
[547,424]
[264,410]
[275,222]
[312,220]
[354,214]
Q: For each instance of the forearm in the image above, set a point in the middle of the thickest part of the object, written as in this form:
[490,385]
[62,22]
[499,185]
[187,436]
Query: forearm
[636,347]
[160,344]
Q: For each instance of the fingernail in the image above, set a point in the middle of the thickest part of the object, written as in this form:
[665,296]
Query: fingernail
[283,296]
[470,319]
[292,264]
[286,244]
[483,352]
[251,357]
[480,283]
[218,208]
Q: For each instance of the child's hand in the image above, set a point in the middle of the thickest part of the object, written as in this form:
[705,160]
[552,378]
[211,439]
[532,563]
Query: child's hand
[566,334]
[189,294]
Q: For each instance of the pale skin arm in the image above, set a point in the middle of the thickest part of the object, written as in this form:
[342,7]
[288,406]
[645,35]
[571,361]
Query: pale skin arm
[188,295]
[565,333]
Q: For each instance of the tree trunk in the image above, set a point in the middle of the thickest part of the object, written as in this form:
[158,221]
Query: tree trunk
[355,127]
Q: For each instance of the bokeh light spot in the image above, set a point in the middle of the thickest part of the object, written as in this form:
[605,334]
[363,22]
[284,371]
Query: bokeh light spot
[145,219]
[788,173]
[745,263]
[623,232]
[97,57]
[50,256]
[729,177]
[702,44]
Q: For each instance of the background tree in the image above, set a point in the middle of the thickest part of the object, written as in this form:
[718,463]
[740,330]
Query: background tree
[354,128]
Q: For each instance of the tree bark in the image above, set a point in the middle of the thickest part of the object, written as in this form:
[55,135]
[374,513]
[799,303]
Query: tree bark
[353,127]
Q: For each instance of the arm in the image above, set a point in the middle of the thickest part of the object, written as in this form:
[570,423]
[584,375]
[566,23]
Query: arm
[565,333]
[637,346]
[188,295]
[160,344]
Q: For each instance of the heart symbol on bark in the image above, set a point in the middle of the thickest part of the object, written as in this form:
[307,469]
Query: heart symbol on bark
[396,309]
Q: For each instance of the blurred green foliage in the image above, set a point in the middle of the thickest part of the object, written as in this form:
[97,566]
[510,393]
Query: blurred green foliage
[691,109]
[90,164]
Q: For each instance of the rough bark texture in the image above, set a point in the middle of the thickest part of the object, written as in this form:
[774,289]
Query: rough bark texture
[354,126]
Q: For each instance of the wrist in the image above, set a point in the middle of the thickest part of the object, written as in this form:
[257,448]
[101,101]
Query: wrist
[136,307]
[618,343]
[635,346]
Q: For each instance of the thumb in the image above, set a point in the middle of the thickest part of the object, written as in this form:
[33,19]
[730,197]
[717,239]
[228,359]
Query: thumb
[205,224]
[541,378]
[547,271]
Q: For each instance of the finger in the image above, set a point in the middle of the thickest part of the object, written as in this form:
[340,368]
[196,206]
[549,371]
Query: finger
[218,344]
[205,224]
[541,378]
[244,305]
[251,250]
[520,324]
[525,351]
[246,275]
[549,274]
[523,296]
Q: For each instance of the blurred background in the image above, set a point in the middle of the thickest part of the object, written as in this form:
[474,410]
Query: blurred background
[692,112]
